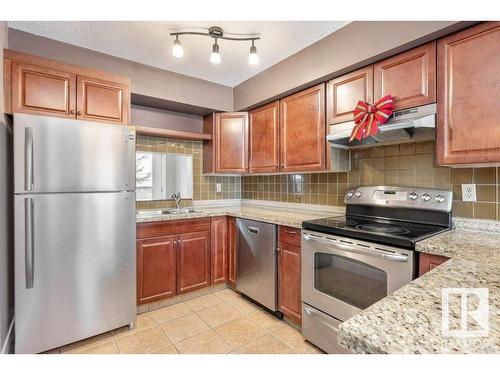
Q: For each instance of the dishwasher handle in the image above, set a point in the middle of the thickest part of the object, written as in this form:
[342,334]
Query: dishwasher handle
[253,230]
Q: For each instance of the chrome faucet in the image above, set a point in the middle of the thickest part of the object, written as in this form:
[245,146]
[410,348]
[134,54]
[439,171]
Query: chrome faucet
[177,198]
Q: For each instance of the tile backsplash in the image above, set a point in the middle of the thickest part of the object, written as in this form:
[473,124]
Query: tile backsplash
[409,164]
[204,187]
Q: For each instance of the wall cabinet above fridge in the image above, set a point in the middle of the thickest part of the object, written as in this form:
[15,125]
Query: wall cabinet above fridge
[41,86]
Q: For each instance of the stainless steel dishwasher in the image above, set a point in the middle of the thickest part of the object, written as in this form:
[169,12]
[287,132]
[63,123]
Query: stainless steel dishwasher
[257,263]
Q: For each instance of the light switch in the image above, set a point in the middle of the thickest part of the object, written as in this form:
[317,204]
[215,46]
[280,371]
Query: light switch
[469,192]
[218,187]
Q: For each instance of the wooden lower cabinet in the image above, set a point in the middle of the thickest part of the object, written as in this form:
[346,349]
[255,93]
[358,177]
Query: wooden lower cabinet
[219,249]
[289,300]
[429,261]
[231,250]
[193,261]
[156,269]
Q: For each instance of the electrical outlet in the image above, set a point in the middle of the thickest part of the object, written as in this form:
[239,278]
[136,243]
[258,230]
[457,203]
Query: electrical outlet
[218,187]
[469,192]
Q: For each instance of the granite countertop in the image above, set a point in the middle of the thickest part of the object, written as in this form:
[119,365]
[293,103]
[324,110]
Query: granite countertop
[275,215]
[410,319]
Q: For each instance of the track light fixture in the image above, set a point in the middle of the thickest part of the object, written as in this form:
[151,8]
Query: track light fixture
[216,32]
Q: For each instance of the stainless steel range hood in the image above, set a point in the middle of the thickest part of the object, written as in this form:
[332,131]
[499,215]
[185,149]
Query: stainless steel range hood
[414,124]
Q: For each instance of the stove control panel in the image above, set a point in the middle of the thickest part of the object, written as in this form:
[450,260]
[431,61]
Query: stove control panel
[401,197]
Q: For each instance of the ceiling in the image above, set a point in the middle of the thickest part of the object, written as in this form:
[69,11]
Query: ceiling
[150,43]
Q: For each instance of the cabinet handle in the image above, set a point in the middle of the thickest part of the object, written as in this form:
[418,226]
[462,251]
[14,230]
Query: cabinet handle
[72,112]
[79,113]
[290,231]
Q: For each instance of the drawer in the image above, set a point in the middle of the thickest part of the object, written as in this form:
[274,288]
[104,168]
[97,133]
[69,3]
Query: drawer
[172,227]
[289,235]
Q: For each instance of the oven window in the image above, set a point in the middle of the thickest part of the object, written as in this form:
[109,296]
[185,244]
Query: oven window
[349,280]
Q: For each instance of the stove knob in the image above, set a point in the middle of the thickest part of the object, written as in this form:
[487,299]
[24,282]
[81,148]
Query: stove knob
[358,194]
[413,196]
[426,197]
[439,198]
[350,194]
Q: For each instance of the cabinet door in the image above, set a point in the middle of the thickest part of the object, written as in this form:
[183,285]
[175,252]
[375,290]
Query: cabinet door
[99,100]
[302,138]
[219,250]
[231,142]
[344,93]
[468,125]
[410,77]
[289,300]
[429,261]
[193,261]
[156,269]
[232,261]
[43,91]
[263,139]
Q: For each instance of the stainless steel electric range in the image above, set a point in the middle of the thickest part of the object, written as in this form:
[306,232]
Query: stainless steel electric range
[352,261]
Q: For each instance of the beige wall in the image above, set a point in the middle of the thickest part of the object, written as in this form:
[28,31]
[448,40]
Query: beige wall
[6,250]
[157,118]
[146,80]
[353,46]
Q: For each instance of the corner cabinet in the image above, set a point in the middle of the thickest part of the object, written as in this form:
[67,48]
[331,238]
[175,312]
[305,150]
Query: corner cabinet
[409,76]
[303,131]
[263,139]
[45,87]
[227,151]
[468,127]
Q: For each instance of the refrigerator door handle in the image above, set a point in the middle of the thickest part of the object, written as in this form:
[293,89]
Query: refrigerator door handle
[29,249]
[28,159]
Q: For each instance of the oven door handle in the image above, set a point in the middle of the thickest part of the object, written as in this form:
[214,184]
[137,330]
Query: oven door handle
[350,249]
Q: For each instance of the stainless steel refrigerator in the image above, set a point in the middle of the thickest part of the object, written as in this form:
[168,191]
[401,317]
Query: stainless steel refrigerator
[74,223]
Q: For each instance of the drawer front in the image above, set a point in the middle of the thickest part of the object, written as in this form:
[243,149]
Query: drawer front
[289,235]
[172,227]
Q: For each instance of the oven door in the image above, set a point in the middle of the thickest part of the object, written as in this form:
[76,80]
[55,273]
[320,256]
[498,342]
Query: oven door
[341,276]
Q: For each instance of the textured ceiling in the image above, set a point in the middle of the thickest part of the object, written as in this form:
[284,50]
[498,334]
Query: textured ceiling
[150,43]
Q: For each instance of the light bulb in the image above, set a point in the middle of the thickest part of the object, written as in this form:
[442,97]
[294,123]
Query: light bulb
[177,50]
[253,58]
[215,56]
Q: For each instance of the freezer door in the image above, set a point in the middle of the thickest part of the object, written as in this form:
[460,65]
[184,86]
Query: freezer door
[75,267]
[61,155]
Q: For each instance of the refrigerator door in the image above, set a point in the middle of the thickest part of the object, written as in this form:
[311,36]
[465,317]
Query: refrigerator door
[75,267]
[61,155]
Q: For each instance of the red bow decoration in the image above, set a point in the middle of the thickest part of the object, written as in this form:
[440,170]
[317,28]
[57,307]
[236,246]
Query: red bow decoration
[368,117]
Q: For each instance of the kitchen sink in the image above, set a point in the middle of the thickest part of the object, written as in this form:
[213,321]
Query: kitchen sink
[172,211]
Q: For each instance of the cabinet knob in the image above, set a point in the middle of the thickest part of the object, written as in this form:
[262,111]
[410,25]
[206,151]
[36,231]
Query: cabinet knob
[79,113]
[72,112]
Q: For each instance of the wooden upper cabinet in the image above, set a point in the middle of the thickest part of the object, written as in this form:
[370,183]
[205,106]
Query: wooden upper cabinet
[101,100]
[227,152]
[231,142]
[263,139]
[302,138]
[42,90]
[47,87]
[343,94]
[193,261]
[156,269]
[409,76]
[219,250]
[468,125]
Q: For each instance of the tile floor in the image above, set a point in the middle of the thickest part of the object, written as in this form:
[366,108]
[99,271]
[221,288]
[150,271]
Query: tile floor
[216,323]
